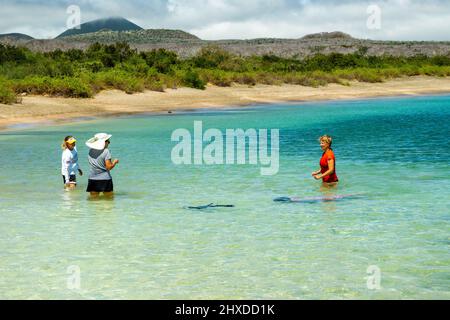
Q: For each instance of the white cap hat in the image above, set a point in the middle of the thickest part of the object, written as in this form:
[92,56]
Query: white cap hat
[98,141]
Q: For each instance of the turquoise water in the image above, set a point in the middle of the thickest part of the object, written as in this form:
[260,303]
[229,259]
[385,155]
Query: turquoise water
[145,245]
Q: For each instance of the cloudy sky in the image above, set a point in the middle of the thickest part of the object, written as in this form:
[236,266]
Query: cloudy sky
[242,19]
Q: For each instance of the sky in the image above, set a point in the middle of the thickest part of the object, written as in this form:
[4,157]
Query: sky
[241,19]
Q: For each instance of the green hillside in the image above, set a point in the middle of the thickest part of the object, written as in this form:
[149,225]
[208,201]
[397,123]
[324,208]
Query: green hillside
[112,24]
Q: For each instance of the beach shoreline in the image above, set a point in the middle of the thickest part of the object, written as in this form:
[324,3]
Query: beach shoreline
[43,110]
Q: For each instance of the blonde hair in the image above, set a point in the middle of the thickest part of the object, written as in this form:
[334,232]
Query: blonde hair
[64,143]
[326,138]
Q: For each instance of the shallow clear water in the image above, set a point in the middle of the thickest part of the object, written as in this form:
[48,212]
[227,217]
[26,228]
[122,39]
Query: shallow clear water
[145,245]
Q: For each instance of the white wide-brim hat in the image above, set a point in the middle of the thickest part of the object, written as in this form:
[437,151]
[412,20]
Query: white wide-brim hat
[98,141]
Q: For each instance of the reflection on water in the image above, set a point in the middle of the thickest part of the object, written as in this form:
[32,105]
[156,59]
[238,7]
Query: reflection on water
[76,203]
[70,199]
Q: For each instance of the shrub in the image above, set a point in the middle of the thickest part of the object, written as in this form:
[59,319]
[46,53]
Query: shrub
[211,57]
[133,85]
[391,73]
[244,78]
[77,73]
[155,86]
[94,66]
[135,66]
[7,95]
[410,71]
[171,82]
[367,75]
[12,53]
[118,79]
[216,77]
[72,87]
[440,61]
[310,81]
[66,87]
[192,79]
[435,71]
[161,59]
[268,78]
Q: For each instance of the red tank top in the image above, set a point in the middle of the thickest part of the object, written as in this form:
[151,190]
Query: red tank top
[328,155]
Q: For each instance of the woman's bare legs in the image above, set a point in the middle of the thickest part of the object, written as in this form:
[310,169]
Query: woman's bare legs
[329,184]
[70,186]
[95,195]
[109,195]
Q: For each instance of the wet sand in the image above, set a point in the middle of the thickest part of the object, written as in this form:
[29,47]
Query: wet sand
[42,109]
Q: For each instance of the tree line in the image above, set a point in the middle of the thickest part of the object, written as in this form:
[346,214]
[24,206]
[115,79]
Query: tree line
[83,73]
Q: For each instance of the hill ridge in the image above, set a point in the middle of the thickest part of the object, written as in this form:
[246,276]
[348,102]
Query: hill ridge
[110,23]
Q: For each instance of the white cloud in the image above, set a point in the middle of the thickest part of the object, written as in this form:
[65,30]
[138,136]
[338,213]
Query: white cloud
[220,19]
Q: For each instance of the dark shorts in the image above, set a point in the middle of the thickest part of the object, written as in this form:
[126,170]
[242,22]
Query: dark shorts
[100,186]
[72,178]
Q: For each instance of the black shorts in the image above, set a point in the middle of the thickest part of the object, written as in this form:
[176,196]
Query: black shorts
[100,186]
[72,178]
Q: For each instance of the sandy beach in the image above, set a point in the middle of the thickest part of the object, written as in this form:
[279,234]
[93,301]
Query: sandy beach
[42,109]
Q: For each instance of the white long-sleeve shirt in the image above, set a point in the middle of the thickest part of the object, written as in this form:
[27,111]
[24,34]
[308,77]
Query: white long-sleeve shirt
[69,163]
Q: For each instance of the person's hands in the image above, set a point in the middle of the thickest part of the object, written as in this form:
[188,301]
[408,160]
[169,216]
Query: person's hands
[318,176]
[315,173]
[80,172]
[110,164]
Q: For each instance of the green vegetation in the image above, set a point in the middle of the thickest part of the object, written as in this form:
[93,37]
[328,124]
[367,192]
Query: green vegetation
[112,23]
[77,73]
[135,37]
[7,94]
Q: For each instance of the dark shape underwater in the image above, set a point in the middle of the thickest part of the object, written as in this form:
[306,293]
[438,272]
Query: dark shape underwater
[318,199]
[212,205]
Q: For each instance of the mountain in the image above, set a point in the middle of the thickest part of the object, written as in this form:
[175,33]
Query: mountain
[135,37]
[187,45]
[110,24]
[15,36]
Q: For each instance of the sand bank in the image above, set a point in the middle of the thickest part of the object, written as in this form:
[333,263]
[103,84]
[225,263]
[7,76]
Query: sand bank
[37,109]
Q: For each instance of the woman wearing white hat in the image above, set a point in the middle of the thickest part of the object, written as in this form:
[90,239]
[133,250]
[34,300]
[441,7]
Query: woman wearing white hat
[99,158]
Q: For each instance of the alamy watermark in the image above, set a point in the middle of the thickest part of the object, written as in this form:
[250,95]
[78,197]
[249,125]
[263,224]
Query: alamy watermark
[374,19]
[373,278]
[74,19]
[235,146]
[74,277]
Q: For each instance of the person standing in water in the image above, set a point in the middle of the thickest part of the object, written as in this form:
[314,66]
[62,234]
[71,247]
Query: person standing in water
[69,163]
[101,164]
[327,170]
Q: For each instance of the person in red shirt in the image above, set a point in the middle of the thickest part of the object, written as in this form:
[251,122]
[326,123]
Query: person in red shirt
[327,170]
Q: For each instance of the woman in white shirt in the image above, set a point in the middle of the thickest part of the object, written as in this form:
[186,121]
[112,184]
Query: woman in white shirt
[69,163]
